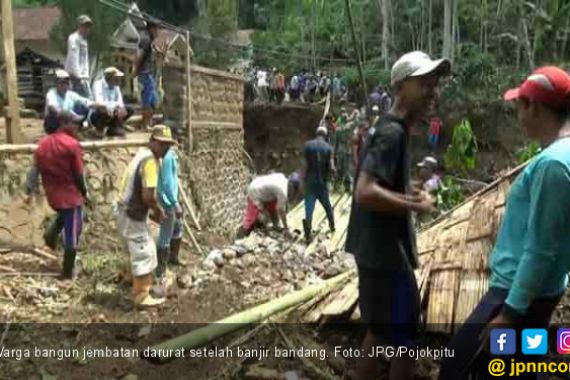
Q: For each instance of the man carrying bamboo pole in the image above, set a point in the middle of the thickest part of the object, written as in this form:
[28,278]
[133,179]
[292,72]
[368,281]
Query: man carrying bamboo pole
[137,197]
[380,232]
[59,160]
[530,262]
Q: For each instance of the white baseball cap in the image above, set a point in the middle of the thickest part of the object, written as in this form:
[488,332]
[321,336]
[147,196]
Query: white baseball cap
[322,130]
[429,162]
[417,63]
[61,74]
[112,70]
[84,19]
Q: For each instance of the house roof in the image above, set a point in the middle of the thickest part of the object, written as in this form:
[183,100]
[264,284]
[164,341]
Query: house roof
[35,23]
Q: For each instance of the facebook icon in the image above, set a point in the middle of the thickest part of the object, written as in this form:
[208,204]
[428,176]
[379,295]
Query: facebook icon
[503,341]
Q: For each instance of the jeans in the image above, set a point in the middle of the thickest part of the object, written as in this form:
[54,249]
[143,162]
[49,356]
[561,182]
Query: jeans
[170,228]
[465,343]
[320,192]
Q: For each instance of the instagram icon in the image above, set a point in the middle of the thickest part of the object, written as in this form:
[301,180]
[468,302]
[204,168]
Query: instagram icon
[563,341]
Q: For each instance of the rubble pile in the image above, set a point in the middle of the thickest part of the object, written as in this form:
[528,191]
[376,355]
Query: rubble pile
[271,263]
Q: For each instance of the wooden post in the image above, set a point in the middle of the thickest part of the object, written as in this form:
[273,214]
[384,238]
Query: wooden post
[189,90]
[13,132]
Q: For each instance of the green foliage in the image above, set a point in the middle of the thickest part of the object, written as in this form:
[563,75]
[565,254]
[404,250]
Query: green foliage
[105,21]
[461,153]
[449,194]
[31,3]
[528,152]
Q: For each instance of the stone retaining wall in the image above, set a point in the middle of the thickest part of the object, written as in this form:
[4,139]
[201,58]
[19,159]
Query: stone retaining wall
[217,168]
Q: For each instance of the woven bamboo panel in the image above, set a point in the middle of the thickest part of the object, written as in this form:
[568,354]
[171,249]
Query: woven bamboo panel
[442,297]
[477,252]
[472,287]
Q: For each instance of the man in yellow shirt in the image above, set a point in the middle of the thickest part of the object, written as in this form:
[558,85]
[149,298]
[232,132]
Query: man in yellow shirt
[137,197]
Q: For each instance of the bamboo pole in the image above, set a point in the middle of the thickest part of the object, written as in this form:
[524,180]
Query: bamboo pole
[206,334]
[30,148]
[192,237]
[13,131]
[189,207]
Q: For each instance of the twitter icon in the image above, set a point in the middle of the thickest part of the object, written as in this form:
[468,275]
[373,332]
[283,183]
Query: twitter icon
[534,341]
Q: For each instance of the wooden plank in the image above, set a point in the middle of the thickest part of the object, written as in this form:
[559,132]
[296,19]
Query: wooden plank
[13,132]
[344,301]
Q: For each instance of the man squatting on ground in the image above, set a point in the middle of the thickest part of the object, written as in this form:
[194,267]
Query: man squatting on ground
[59,160]
[107,91]
[137,196]
[530,262]
[170,235]
[61,100]
[380,232]
[318,168]
[268,193]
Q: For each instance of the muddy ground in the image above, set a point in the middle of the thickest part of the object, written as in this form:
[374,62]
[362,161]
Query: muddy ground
[94,312]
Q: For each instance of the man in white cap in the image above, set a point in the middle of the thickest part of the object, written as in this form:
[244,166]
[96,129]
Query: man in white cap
[61,99]
[108,92]
[380,232]
[428,174]
[77,60]
[318,168]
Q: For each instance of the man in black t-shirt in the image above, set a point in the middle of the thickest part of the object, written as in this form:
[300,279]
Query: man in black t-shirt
[380,232]
[319,166]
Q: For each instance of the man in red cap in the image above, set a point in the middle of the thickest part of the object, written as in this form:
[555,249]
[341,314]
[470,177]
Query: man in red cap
[530,261]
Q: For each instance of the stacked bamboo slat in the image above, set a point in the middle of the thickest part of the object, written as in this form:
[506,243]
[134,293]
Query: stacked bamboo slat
[453,252]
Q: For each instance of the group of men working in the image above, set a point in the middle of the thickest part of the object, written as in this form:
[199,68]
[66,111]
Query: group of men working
[529,263]
[149,184]
[102,105]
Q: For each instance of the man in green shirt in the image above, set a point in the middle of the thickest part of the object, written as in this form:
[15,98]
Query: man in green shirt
[530,260]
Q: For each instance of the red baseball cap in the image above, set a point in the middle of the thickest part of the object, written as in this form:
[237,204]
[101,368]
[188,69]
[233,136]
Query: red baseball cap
[549,85]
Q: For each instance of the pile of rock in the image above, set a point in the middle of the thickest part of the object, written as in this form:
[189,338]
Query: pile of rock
[285,259]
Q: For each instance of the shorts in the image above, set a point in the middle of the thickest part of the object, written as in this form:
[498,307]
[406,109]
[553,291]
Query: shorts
[252,213]
[138,238]
[390,305]
[149,96]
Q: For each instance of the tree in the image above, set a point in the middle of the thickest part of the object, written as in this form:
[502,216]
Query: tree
[447,29]
[385,6]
